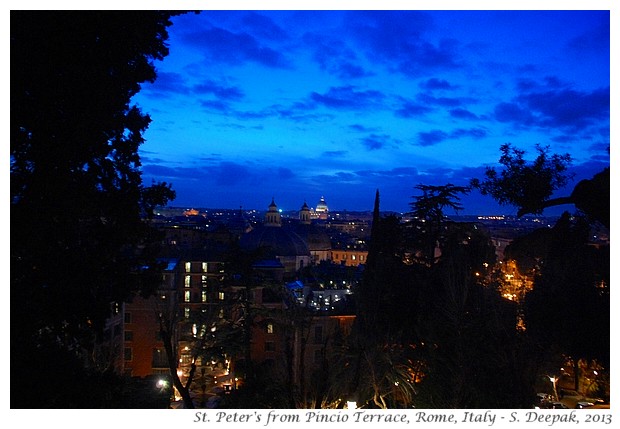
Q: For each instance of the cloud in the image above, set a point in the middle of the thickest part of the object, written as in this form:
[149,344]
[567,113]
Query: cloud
[411,109]
[263,26]
[167,84]
[476,133]
[285,173]
[431,138]
[221,45]
[220,91]
[334,153]
[569,108]
[361,128]
[434,137]
[396,39]
[557,108]
[438,101]
[334,56]
[596,39]
[348,97]
[435,83]
[513,112]
[375,141]
[460,113]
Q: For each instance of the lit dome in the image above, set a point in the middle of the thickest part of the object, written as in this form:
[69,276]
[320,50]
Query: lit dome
[321,206]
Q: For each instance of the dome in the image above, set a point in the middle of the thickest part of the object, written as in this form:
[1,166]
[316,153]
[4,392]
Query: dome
[321,206]
[315,237]
[275,241]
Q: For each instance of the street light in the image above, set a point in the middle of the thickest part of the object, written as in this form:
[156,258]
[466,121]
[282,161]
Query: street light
[555,390]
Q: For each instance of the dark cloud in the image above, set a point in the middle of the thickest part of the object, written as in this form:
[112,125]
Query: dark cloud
[476,133]
[439,101]
[434,137]
[348,97]
[562,108]
[431,138]
[285,173]
[168,84]
[397,39]
[595,40]
[399,173]
[375,141]
[460,113]
[435,83]
[347,70]
[263,26]
[412,110]
[220,91]
[220,45]
[215,105]
[362,128]
[569,108]
[334,56]
[513,112]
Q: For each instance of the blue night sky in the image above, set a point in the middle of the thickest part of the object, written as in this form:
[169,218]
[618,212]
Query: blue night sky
[299,104]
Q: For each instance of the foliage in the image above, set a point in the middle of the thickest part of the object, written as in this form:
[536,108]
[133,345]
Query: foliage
[437,331]
[428,211]
[569,305]
[567,311]
[78,204]
[522,184]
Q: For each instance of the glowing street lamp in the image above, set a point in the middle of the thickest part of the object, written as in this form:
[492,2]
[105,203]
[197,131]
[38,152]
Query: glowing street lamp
[555,390]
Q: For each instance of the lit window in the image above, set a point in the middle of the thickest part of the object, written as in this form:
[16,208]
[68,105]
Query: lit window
[186,312]
[270,328]
[188,281]
[204,296]
[205,267]
[204,281]
[353,257]
[188,296]
[221,296]
[361,257]
[188,267]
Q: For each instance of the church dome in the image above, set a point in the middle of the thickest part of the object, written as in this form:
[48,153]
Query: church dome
[321,206]
[314,236]
[276,242]
[274,238]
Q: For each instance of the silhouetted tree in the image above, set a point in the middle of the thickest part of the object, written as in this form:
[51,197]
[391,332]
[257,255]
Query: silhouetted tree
[568,308]
[529,186]
[79,240]
[429,213]
[473,354]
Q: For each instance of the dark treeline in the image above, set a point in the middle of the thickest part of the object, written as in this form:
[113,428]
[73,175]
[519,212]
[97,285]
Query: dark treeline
[431,329]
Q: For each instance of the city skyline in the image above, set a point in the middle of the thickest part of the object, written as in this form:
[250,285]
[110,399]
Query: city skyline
[293,105]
